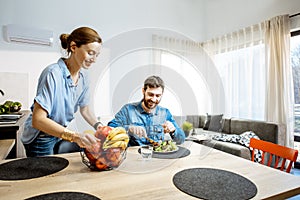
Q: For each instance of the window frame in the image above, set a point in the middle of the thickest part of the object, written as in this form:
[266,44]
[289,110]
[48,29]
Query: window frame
[296,137]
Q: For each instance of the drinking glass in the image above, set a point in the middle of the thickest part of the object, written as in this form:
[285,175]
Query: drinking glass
[146,152]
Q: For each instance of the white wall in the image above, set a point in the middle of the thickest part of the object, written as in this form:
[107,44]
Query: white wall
[109,18]
[197,19]
[225,16]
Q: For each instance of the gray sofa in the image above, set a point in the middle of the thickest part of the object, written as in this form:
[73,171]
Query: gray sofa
[264,130]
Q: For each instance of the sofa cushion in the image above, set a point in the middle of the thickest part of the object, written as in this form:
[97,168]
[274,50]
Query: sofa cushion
[230,143]
[234,149]
[264,130]
[214,123]
[194,119]
[242,139]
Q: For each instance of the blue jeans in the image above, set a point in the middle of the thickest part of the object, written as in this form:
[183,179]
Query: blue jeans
[45,144]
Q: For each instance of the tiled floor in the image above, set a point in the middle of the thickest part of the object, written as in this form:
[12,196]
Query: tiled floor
[296,172]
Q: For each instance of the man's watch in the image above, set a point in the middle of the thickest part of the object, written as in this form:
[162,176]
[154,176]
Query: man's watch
[172,134]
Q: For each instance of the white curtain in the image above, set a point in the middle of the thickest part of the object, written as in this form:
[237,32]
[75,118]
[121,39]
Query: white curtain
[240,59]
[180,45]
[253,65]
[188,59]
[280,92]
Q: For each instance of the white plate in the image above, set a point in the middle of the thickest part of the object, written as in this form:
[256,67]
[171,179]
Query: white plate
[166,152]
[11,116]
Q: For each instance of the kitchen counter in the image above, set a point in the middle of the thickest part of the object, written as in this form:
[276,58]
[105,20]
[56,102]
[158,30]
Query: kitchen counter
[138,179]
[13,131]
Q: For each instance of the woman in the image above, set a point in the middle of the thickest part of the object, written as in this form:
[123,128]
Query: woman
[63,88]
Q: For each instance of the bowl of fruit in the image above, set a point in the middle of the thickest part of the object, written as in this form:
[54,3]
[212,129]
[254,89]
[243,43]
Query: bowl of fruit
[109,152]
[10,107]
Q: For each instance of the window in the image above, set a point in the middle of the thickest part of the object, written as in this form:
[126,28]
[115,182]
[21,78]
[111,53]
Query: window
[194,79]
[295,62]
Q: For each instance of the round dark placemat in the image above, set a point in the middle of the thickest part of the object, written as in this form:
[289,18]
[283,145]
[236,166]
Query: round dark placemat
[207,183]
[64,196]
[32,167]
[182,152]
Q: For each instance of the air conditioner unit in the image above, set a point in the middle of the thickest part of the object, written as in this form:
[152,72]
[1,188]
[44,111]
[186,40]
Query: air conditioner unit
[29,35]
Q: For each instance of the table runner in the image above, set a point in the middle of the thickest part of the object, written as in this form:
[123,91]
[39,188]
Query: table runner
[33,167]
[64,196]
[208,183]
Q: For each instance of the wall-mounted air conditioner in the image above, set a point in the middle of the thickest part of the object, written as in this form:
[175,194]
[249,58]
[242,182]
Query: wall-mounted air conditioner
[29,35]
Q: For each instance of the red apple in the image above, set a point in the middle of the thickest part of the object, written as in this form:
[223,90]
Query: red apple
[93,152]
[113,156]
[96,148]
[90,156]
[102,132]
[100,164]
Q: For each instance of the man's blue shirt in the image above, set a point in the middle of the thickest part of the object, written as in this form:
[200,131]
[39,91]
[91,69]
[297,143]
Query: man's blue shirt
[134,114]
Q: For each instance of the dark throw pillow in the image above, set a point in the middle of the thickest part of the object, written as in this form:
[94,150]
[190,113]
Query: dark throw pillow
[214,123]
[207,122]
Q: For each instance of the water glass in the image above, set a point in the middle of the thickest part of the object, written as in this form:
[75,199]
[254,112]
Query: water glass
[146,152]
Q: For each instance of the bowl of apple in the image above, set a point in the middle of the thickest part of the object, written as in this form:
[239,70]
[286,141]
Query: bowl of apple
[109,152]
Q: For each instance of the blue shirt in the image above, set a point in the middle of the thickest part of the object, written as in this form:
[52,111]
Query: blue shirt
[134,114]
[57,94]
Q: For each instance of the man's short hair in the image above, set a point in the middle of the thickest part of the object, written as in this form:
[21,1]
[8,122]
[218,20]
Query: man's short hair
[154,82]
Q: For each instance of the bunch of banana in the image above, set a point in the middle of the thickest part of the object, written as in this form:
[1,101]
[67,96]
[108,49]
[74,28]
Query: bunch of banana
[117,137]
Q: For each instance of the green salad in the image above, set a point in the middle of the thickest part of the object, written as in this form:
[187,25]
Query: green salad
[166,146]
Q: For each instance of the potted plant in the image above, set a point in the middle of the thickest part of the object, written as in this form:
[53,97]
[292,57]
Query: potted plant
[187,127]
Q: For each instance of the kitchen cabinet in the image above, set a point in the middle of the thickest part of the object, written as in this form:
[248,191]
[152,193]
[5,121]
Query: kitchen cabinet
[13,131]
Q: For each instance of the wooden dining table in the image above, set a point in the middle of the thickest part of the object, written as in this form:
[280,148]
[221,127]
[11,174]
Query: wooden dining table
[139,179]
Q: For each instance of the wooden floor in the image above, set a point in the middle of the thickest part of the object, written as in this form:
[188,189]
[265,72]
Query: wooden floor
[5,147]
[296,172]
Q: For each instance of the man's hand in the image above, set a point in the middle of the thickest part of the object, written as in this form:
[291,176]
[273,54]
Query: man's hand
[168,127]
[138,130]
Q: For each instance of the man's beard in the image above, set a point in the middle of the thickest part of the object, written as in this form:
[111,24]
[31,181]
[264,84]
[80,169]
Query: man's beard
[148,102]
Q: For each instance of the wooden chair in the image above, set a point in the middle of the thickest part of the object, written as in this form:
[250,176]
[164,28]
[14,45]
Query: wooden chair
[281,154]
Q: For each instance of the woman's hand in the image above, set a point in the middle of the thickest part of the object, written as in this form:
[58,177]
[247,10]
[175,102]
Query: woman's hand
[85,140]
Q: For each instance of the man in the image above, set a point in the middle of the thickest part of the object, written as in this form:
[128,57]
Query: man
[146,119]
